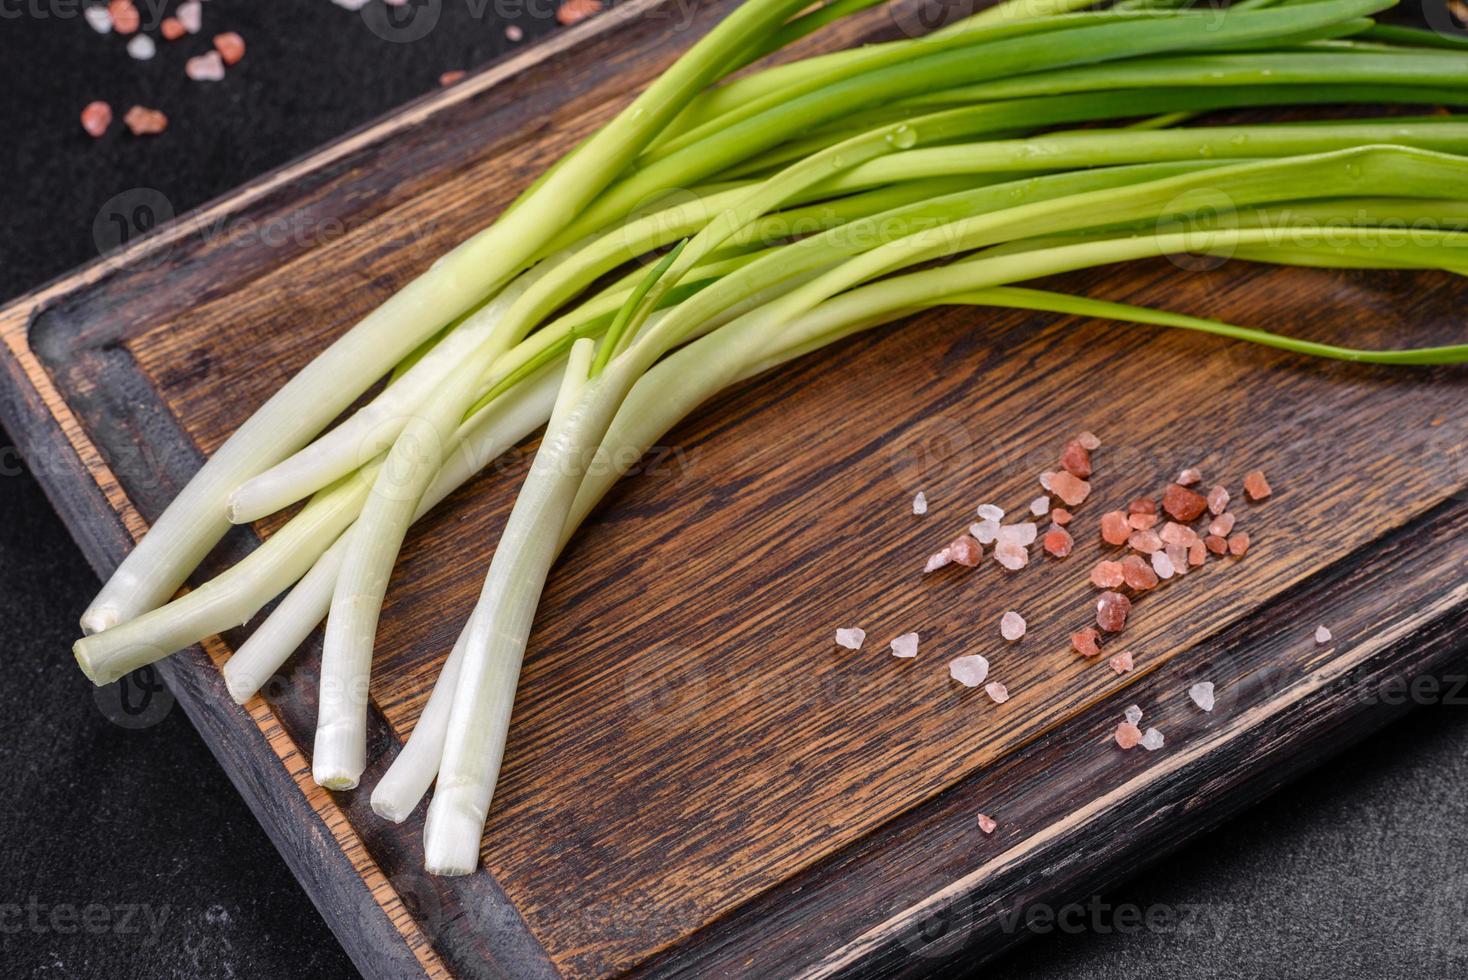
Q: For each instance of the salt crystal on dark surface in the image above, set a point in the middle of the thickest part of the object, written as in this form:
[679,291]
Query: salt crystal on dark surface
[851,639]
[905,646]
[1217,500]
[1162,565]
[1087,642]
[1122,662]
[1322,635]
[1114,527]
[965,551]
[1076,459]
[969,671]
[1111,611]
[1040,506]
[989,512]
[1238,544]
[1222,525]
[1128,736]
[1183,504]
[1089,440]
[1188,477]
[987,823]
[1069,488]
[1060,516]
[1202,695]
[1107,575]
[919,503]
[1137,574]
[1146,541]
[1216,543]
[985,531]
[1012,556]
[1256,486]
[1011,625]
[1058,542]
[1133,714]
[1020,534]
[1152,740]
[997,692]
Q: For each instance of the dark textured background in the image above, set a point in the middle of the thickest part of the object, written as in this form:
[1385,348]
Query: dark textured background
[1356,872]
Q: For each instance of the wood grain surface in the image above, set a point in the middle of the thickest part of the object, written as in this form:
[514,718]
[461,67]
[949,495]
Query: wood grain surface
[698,782]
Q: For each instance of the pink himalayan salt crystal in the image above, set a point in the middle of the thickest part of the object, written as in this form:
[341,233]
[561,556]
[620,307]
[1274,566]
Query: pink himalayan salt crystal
[1087,642]
[965,551]
[1323,635]
[451,77]
[1183,504]
[1197,553]
[1045,479]
[1012,556]
[1152,740]
[1133,714]
[1089,441]
[984,532]
[937,560]
[1128,736]
[1069,488]
[988,512]
[1075,459]
[1216,543]
[969,671]
[1122,662]
[1222,525]
[1058,542]
[1107,575]
[1114,527]
[1141,522]
[919,503]
[205,68]
[1256,486]
[514,32]
[905,646]
[97,116]
[141,121]
[1060,516]
[1175,533]
[1162,565]
[190,14]
[1011,626]
[1217,500]
[1146,542]
[1238,544]
[1202,695]
[1142,505]
[1020,534]
[997,692]
[1111,611]
[1137,575]
[1178,555]
[986,823]
[851,639]
[1188,477]
[1040,506]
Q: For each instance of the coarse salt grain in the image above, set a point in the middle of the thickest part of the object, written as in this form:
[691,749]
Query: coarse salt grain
[905,646]
[172,29]
[1197,553]
[1238,544]
[98,19]
[207,67]
[1045,479]
[937,560]
[988,512]
[141,47]
[1222,525]
[1111,611]
[1069,488]
[1175,533]
[1322,635]
[851,639]
[514,32]
[1020,534]
[145,122]
[1114,527]
[124,15]
[1142,505]
[1152,740]
[1011,626]
[96,118]
[1087,642]
[1040,506]
[1141,522]
[1183,504]
[1256,486]
[1128,736]
[987,823]
[1146,541]
[1012,556]
[919,503]
[997,692]
[1202,695]
[1216,543]
[1137,574]
[1060,516]
[1089,440]
[1107,575]
[1162,565]
[1178,555]
[1058,542]
[1188,477]
[231,47]
[1075,459]
[575,11]
[1133,714]
[190,14]
[1122,662]
[965,551]
[985,531]
[969,671]
[1217,500]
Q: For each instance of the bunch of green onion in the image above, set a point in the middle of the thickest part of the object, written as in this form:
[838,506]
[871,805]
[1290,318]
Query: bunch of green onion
[791,207]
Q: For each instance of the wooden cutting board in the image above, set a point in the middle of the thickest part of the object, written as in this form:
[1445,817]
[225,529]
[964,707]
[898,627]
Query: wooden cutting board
[698,782]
